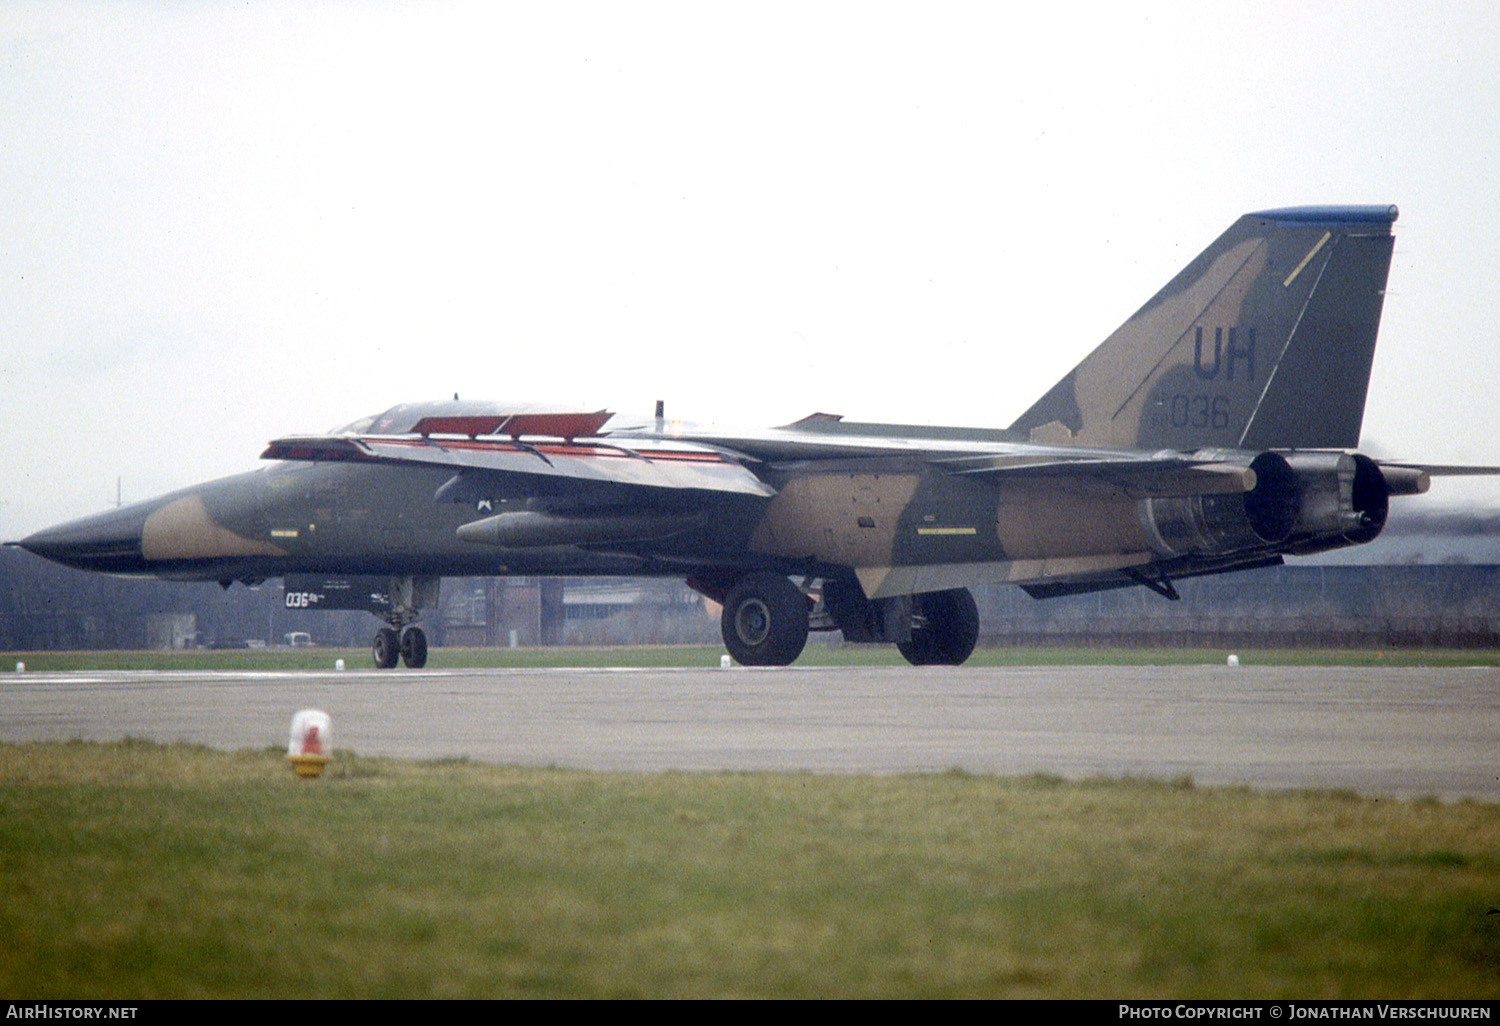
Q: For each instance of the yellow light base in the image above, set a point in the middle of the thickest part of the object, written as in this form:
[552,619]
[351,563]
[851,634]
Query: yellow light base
[308,765]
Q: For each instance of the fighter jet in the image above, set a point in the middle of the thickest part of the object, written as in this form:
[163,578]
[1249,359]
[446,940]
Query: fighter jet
[1214,431]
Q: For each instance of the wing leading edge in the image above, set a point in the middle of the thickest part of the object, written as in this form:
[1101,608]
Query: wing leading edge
[547,465]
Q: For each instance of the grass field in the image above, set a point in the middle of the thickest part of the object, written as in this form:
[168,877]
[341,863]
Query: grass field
[709,655]
[133,870]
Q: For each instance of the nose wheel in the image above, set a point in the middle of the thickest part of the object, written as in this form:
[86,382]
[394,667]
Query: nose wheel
[409,647]
[398,640]
[414,648]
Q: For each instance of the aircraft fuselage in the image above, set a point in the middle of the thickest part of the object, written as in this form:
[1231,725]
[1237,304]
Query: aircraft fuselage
[1213,431]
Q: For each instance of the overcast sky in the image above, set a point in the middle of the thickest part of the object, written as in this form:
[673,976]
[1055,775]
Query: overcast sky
[221,223]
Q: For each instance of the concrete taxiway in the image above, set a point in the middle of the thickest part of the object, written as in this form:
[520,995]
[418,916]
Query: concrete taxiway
[1398,732]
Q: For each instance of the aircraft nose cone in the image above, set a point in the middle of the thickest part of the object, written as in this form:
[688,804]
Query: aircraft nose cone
[109,542]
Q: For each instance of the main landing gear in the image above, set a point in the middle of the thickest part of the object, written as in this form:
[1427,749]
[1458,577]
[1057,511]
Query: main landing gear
[400,641]
[944,628]
[767,618]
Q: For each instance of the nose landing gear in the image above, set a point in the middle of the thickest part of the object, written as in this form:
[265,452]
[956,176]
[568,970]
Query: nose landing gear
[409,647]
[401,641]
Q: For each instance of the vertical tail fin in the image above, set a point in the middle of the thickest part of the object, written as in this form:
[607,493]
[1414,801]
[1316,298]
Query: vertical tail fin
[1264,341]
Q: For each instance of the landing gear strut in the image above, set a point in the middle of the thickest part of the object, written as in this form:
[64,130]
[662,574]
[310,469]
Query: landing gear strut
[401,641]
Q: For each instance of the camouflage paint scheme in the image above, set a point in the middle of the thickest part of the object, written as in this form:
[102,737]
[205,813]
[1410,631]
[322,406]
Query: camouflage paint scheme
[1207,434]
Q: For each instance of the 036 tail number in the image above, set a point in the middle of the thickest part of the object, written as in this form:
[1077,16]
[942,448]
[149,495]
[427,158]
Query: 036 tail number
[1200,411]
[1192,411]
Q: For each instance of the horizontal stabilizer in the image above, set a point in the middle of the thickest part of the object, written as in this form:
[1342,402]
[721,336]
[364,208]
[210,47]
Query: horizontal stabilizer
[1441,470]
[1415,478]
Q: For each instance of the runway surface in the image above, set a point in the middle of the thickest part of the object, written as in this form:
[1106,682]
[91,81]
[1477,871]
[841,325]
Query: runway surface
[1399,732]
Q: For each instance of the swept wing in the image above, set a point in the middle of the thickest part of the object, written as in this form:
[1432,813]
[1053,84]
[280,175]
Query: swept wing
[542,466]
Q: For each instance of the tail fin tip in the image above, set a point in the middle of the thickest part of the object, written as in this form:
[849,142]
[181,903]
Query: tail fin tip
[1368,214]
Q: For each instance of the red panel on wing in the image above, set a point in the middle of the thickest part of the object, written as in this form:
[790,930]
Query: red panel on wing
[555,425]
[476,425]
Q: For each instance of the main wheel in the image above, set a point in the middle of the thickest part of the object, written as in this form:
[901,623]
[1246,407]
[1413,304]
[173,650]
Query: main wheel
[950,632]
[765,620]
[414,648]
[387,648]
